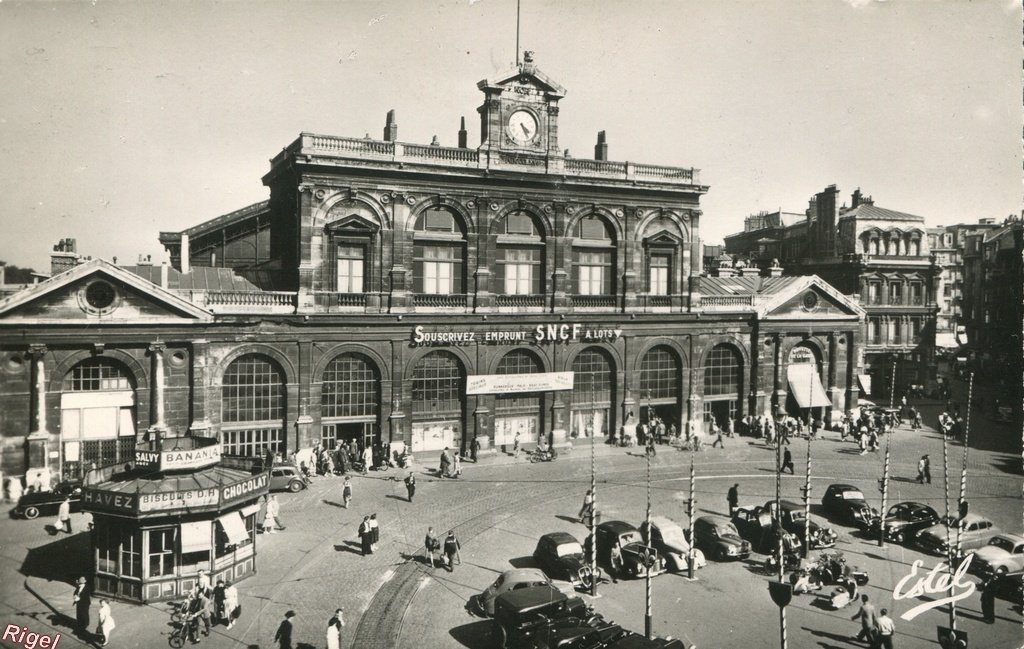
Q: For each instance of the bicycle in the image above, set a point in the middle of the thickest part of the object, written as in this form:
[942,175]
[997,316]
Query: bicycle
[182,624]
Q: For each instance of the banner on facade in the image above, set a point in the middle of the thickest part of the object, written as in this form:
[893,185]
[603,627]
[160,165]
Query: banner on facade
[179,459]
[513,383]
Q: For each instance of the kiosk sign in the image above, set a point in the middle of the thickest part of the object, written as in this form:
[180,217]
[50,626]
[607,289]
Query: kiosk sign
[176,460]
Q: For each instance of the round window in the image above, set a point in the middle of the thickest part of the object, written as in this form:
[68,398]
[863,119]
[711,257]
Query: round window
[100,295]
[810,300]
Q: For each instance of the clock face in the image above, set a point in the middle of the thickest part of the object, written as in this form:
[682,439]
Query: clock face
[522,127]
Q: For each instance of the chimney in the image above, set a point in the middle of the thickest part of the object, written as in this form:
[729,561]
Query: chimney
[855,198]
[64,256]
[601,148]
[391,127]
[435,142]
[775,270]
[462,135]
[163,275]
[185,263]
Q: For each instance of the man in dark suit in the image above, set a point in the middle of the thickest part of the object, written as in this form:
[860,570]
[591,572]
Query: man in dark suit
[82,602]
[284,632]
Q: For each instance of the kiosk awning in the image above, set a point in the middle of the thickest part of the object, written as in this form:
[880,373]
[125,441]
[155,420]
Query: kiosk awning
[865,383]
[806,387]
[249,510]
[234,528]
[195,537]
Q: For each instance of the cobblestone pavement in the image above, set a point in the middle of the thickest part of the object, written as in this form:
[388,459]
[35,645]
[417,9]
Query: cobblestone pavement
[498,510]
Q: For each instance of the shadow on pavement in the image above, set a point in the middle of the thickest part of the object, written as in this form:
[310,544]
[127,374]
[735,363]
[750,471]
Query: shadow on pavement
[476,635]
[831,636]
[76,553]
[349,546]
[568,519]
[523,562]
[333,504]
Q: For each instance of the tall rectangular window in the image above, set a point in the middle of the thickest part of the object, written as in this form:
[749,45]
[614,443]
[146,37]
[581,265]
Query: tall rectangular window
[894,332]
[593,273]
[873,297]
[895,293]
[161,552]
[350,264]
[917,294]
[521,270]
[659,274]
[874,332]
[438,270]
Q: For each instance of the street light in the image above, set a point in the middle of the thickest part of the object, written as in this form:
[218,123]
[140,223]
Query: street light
[962,503]
[593,514]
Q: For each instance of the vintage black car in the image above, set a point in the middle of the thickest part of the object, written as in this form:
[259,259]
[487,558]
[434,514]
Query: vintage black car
[847,504]
[636,557]
[561,556]
[1010,587]
[718,538]
[793,520]
[755,525]
[904,520]
[48,502]
[542,617]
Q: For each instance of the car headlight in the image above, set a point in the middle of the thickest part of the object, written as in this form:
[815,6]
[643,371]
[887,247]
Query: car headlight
[731,549]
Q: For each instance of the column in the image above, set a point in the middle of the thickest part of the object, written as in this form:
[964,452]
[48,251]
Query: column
[201,388]
[780,380]
[38,354]
[159,416]
[834,394]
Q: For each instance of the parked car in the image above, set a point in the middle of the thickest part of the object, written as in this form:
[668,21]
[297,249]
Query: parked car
[670,540]
[847,503]
[514,579]
[48,502]
[718,538]
[287,478]
[636,557]
[975,532]
[1010,587]
[793,520]
[904,520]
[561,556]
[542,617]
[755,525]
[633,640]
[1003,554]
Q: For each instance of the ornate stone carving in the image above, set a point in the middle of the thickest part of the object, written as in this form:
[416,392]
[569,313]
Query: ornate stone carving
[471,204]
[494,207]
[320,194]
[548,209]
[619,213]
[410,200]
[570,210]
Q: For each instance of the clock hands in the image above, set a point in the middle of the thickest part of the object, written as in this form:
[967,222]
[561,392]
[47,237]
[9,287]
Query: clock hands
[526,131]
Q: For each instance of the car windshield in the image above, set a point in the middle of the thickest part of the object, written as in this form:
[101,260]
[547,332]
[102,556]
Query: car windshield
[569,549]
[630,537]
[1001,543]
[853,495]
[796,514]
[673,535]
[725,529]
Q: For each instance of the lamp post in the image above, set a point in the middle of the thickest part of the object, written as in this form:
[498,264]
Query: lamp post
[593,515]
[648,625]
[962,503]
[690,512]
[778,508]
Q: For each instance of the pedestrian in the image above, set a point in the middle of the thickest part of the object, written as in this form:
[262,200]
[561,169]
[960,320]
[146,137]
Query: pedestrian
[733,498]
[366,536]
[203,582]
[334,629]
[374,532]
[787,461]
[219,610]
[474,449]
[106,623]
[81,600]
[199,611]
[367,458]
[272,522]
[650,449]
[446,462]
[410,485]
[988,601]
[868,620]
[515,446]
[232,609]
[615,561]
[451,550]
[886,629]
[588,506]
[456,465]
[431,545]
[64,515]
[284,632]
[717,430]
[346,492]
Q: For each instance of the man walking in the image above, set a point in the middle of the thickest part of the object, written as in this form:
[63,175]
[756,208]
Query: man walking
[410,485]
[346,492]
[64,516]
[366,536]
[886,629]
[718,435]
[588,507]
[451,550]
[284,632]
[515,446]
[868,620]
[733,497]
[81,601]
[787,461]
[431,545]
[988,601]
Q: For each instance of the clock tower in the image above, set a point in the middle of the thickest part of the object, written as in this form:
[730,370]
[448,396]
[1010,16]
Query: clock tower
[520,111]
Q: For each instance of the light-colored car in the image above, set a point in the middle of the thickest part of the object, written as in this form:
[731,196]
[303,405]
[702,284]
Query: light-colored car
[516,579]
[1004,553]
[975,532]
[668,538]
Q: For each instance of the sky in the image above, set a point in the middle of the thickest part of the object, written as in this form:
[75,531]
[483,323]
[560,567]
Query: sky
[119,120]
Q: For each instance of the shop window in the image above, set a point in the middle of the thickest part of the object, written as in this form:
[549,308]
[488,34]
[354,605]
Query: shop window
[659,273]
[161,552]
[108,541]
[131,553]
[350,265]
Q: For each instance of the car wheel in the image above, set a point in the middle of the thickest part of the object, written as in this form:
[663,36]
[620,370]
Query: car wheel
[31,512]
[294,486]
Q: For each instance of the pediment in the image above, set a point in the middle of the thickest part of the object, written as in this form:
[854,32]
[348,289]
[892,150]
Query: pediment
[526,75]
[812,298]
[352,224]
[98,292]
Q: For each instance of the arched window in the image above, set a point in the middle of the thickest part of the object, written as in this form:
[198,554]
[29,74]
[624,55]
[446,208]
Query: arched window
[97,416]
[252,406]
[592,395]
[593,259]
[438,389]
[872,245]
[723,384]
[439,253]
[661,384]
[520,255]
[350,401]
[520,412]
